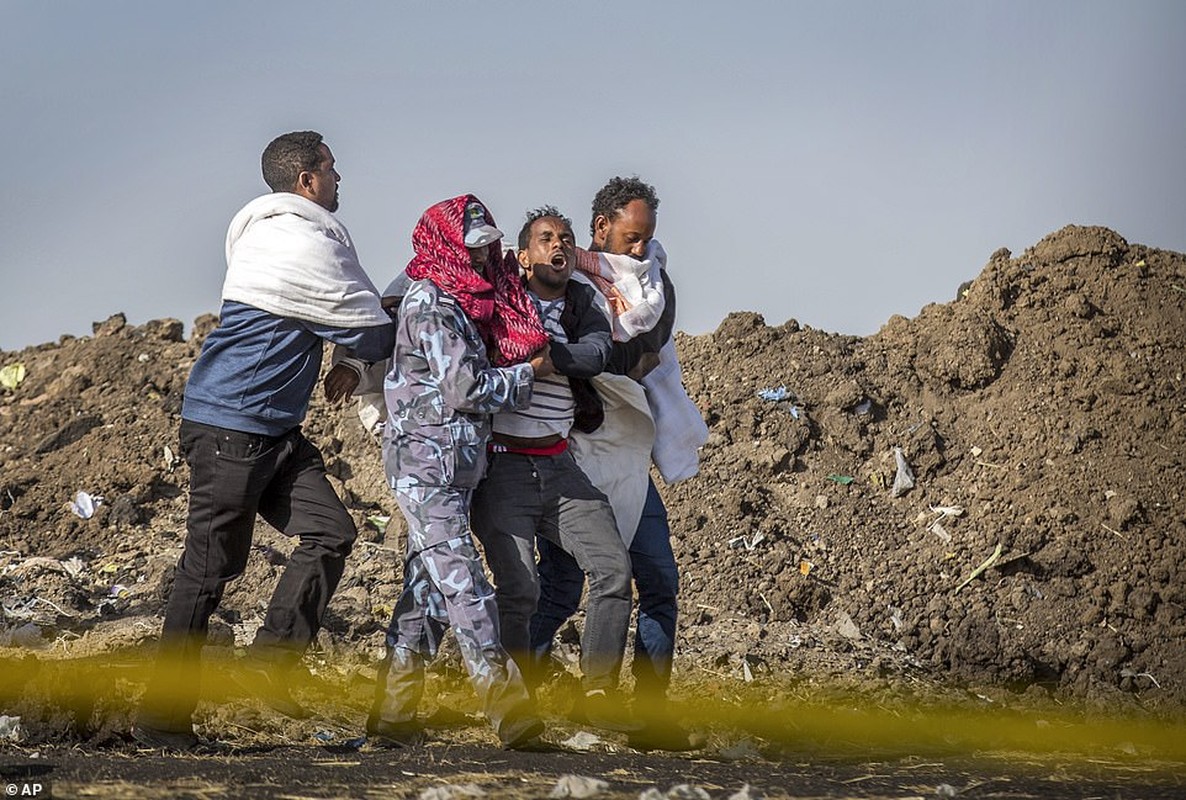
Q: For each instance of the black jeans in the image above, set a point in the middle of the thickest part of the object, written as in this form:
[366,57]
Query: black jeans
[524,496]
[233,477]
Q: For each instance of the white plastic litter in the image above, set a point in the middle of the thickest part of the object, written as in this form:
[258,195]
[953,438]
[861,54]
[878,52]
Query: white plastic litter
[452,791]
[84,504]
[744,750]
[582,740]
[578,786]
[10,728]
[904,479]
[12,375]
[747,792]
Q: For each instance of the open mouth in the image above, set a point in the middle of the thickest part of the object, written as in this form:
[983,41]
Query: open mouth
[559,261]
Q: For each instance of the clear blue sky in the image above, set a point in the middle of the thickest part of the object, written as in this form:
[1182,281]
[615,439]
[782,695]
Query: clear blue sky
[833,162]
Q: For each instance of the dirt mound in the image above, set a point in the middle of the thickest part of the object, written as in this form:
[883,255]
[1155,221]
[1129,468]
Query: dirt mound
[1040,414]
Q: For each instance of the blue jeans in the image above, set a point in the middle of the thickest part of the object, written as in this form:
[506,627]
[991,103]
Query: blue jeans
[656,578]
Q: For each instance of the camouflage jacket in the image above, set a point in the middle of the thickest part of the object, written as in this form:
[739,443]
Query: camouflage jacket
[440,393]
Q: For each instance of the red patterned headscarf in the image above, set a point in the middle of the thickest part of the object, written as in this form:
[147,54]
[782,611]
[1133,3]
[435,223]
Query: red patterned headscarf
[496,302]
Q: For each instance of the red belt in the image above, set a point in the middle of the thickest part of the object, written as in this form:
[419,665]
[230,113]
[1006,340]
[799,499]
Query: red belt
[550,450]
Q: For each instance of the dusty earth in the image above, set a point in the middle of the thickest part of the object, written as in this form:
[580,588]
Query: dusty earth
[1030,579]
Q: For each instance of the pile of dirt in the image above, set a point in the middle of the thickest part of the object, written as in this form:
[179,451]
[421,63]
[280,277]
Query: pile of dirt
[1039,548]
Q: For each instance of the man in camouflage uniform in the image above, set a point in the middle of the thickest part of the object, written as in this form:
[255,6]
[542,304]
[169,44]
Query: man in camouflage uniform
[440,394]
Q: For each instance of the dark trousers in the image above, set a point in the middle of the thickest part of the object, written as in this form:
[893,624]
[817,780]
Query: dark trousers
[656,578]
[233,477]
[525,496]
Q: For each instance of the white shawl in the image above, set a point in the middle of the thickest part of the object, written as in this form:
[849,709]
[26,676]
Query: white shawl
[638,285]
[617,456]
[289,256]
[680,431]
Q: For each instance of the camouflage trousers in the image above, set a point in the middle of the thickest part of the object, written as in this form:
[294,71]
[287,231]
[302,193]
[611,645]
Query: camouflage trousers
[444,586]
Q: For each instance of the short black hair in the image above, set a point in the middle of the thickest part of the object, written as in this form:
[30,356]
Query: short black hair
[287,156]
[538,214]
[618,193]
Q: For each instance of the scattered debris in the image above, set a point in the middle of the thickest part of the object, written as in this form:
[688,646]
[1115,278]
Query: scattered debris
[988,562]
[843,480]
[782,395]
[936,526]
[846,627]
[12,375]
[744,750]
[73,566]
[10,728]
[1128,673]
[904,479]
[578,786]
[452,791]
[582,741]
[766,603]
[379,521]
[749,542]
[84,504]
[747,792]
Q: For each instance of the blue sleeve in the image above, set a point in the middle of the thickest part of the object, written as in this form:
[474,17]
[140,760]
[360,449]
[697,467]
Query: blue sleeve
[369,344]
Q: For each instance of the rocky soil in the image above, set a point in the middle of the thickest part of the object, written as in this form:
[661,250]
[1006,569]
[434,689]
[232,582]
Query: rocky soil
[1038,553]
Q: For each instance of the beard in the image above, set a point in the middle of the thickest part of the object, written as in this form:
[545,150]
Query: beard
[546,277]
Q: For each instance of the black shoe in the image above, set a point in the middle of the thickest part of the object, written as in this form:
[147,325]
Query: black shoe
[162,739]
[577,712]
[665,735]
[395,735]
[607,710]
[260,681]
[521,734]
